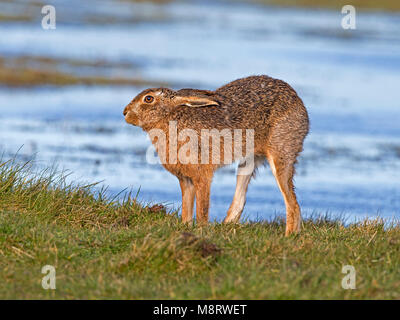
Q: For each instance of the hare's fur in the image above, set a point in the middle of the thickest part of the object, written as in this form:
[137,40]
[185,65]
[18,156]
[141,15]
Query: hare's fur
[269,106]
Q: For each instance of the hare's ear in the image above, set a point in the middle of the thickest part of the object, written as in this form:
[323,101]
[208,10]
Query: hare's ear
[194,101]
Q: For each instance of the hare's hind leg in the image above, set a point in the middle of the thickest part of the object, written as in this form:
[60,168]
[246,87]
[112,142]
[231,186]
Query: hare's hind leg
[188,193]
[283,170]
[242,182]
[239,199]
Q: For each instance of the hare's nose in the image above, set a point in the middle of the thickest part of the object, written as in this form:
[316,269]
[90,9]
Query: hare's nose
[126,111]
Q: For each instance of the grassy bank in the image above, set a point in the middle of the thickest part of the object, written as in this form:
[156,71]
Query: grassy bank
[106,249]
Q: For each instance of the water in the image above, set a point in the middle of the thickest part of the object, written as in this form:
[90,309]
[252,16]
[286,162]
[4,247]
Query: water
[349,81]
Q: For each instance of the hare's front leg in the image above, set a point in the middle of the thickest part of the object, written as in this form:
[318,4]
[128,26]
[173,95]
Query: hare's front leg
[188,193]
[203,186]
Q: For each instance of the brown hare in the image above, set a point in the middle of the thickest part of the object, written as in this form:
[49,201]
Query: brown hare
[266,111]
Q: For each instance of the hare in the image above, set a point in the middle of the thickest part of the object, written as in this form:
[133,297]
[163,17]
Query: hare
[266,107]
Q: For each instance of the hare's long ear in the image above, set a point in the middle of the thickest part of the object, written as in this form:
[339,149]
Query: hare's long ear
[194,101]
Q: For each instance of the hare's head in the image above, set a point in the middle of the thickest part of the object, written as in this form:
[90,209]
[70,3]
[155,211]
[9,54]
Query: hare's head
[153,105]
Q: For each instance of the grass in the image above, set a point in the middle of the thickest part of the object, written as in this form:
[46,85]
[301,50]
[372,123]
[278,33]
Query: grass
[103,248]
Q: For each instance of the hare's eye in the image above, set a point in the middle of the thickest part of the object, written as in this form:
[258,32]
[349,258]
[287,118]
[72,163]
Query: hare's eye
[148,99]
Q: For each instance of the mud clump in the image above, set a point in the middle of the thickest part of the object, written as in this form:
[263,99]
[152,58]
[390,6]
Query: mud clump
[157,208]
[204,247]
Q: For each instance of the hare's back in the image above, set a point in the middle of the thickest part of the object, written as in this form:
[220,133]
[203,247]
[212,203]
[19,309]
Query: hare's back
[254,90]
[258,98]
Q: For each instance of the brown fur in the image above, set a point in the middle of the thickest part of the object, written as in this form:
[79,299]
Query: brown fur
[269,106]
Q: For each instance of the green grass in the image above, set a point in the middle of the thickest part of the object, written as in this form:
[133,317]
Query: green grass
[102,248]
